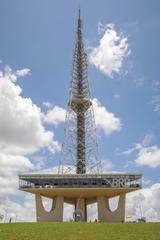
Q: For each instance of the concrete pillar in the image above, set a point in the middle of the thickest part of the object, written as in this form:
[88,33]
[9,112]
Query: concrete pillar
[104,212]
[81,209]
[54,215]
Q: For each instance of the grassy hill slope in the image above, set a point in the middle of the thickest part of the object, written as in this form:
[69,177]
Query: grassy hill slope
[80,231]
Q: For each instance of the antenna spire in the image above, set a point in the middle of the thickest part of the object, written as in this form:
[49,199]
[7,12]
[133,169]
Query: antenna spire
[79,13]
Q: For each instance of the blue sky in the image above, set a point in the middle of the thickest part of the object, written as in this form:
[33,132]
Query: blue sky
[40,36]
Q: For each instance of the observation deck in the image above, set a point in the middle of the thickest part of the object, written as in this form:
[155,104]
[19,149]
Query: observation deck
[76,185]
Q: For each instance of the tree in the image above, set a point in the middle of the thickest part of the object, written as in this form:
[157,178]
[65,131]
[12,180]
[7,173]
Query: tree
[1,217]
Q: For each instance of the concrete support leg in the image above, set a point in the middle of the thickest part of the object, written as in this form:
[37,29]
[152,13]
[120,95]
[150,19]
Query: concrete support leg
[104,212]
[81,209]
[54,215]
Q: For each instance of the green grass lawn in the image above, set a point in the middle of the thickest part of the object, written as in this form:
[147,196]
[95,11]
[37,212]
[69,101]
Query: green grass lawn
[77,231]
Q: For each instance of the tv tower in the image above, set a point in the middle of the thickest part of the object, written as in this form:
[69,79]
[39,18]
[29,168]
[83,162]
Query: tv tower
[79,180]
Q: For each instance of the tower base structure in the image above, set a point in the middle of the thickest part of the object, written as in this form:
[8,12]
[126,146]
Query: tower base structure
[80,213]
[80,190]
[54,215]
[104,212]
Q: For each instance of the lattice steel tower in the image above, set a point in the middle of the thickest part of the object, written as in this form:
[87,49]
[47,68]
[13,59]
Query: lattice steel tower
[80,149]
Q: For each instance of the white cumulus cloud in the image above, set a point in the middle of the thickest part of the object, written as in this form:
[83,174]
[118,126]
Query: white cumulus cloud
[149,156]
[147,153]
[23,72]
[10,165]
[156,103]
[47,104]
[116,96]
[55,116]
[113,48]
[21,128]
[105,120]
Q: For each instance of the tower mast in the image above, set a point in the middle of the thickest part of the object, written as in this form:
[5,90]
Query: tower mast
[80,150]
[80,101]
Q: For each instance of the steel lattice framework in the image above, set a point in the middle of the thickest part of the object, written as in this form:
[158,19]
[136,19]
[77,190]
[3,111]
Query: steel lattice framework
[80,148]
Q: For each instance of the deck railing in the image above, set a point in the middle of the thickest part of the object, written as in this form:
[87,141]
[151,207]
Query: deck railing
[75,181]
